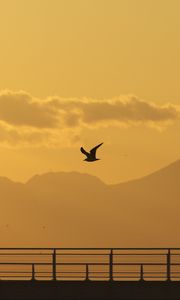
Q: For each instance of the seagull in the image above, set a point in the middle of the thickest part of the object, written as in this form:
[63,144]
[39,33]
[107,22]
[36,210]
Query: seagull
[91,156]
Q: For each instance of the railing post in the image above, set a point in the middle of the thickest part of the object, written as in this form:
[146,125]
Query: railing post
[33,272]
[54,264]
[142,273]
[111,265]
[87,272]
[169,265]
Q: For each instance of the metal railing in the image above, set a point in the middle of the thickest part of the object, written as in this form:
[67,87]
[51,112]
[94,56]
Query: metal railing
[118,264]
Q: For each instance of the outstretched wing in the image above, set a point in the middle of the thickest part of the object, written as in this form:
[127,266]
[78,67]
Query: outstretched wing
[93,150]
[84,151]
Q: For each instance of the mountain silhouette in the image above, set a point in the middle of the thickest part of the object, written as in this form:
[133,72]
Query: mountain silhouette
[79,210]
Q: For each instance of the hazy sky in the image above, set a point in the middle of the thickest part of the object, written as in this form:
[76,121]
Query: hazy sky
[81,72]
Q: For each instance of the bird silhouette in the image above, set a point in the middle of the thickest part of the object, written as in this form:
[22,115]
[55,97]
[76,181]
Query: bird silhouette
[91,156]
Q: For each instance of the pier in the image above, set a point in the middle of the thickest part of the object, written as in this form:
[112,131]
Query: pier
[89,273]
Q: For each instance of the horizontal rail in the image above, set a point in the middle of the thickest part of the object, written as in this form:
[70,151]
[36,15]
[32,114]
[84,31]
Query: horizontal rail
[90,264]
[46,248]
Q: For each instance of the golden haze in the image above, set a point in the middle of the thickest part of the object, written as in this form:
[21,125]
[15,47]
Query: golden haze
[79,73]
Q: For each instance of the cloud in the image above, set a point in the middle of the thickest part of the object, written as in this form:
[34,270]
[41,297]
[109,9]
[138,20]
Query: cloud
[52,122]
[127,111]
[21,109]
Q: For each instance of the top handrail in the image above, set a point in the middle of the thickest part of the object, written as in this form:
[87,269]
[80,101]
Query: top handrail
[88,248]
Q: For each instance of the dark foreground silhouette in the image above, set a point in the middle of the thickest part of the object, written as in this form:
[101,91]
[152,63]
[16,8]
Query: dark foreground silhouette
[89,273]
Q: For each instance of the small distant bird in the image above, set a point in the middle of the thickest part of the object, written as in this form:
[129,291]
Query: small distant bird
[91,156]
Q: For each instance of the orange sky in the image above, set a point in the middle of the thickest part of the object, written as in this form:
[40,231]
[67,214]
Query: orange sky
[88,71]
